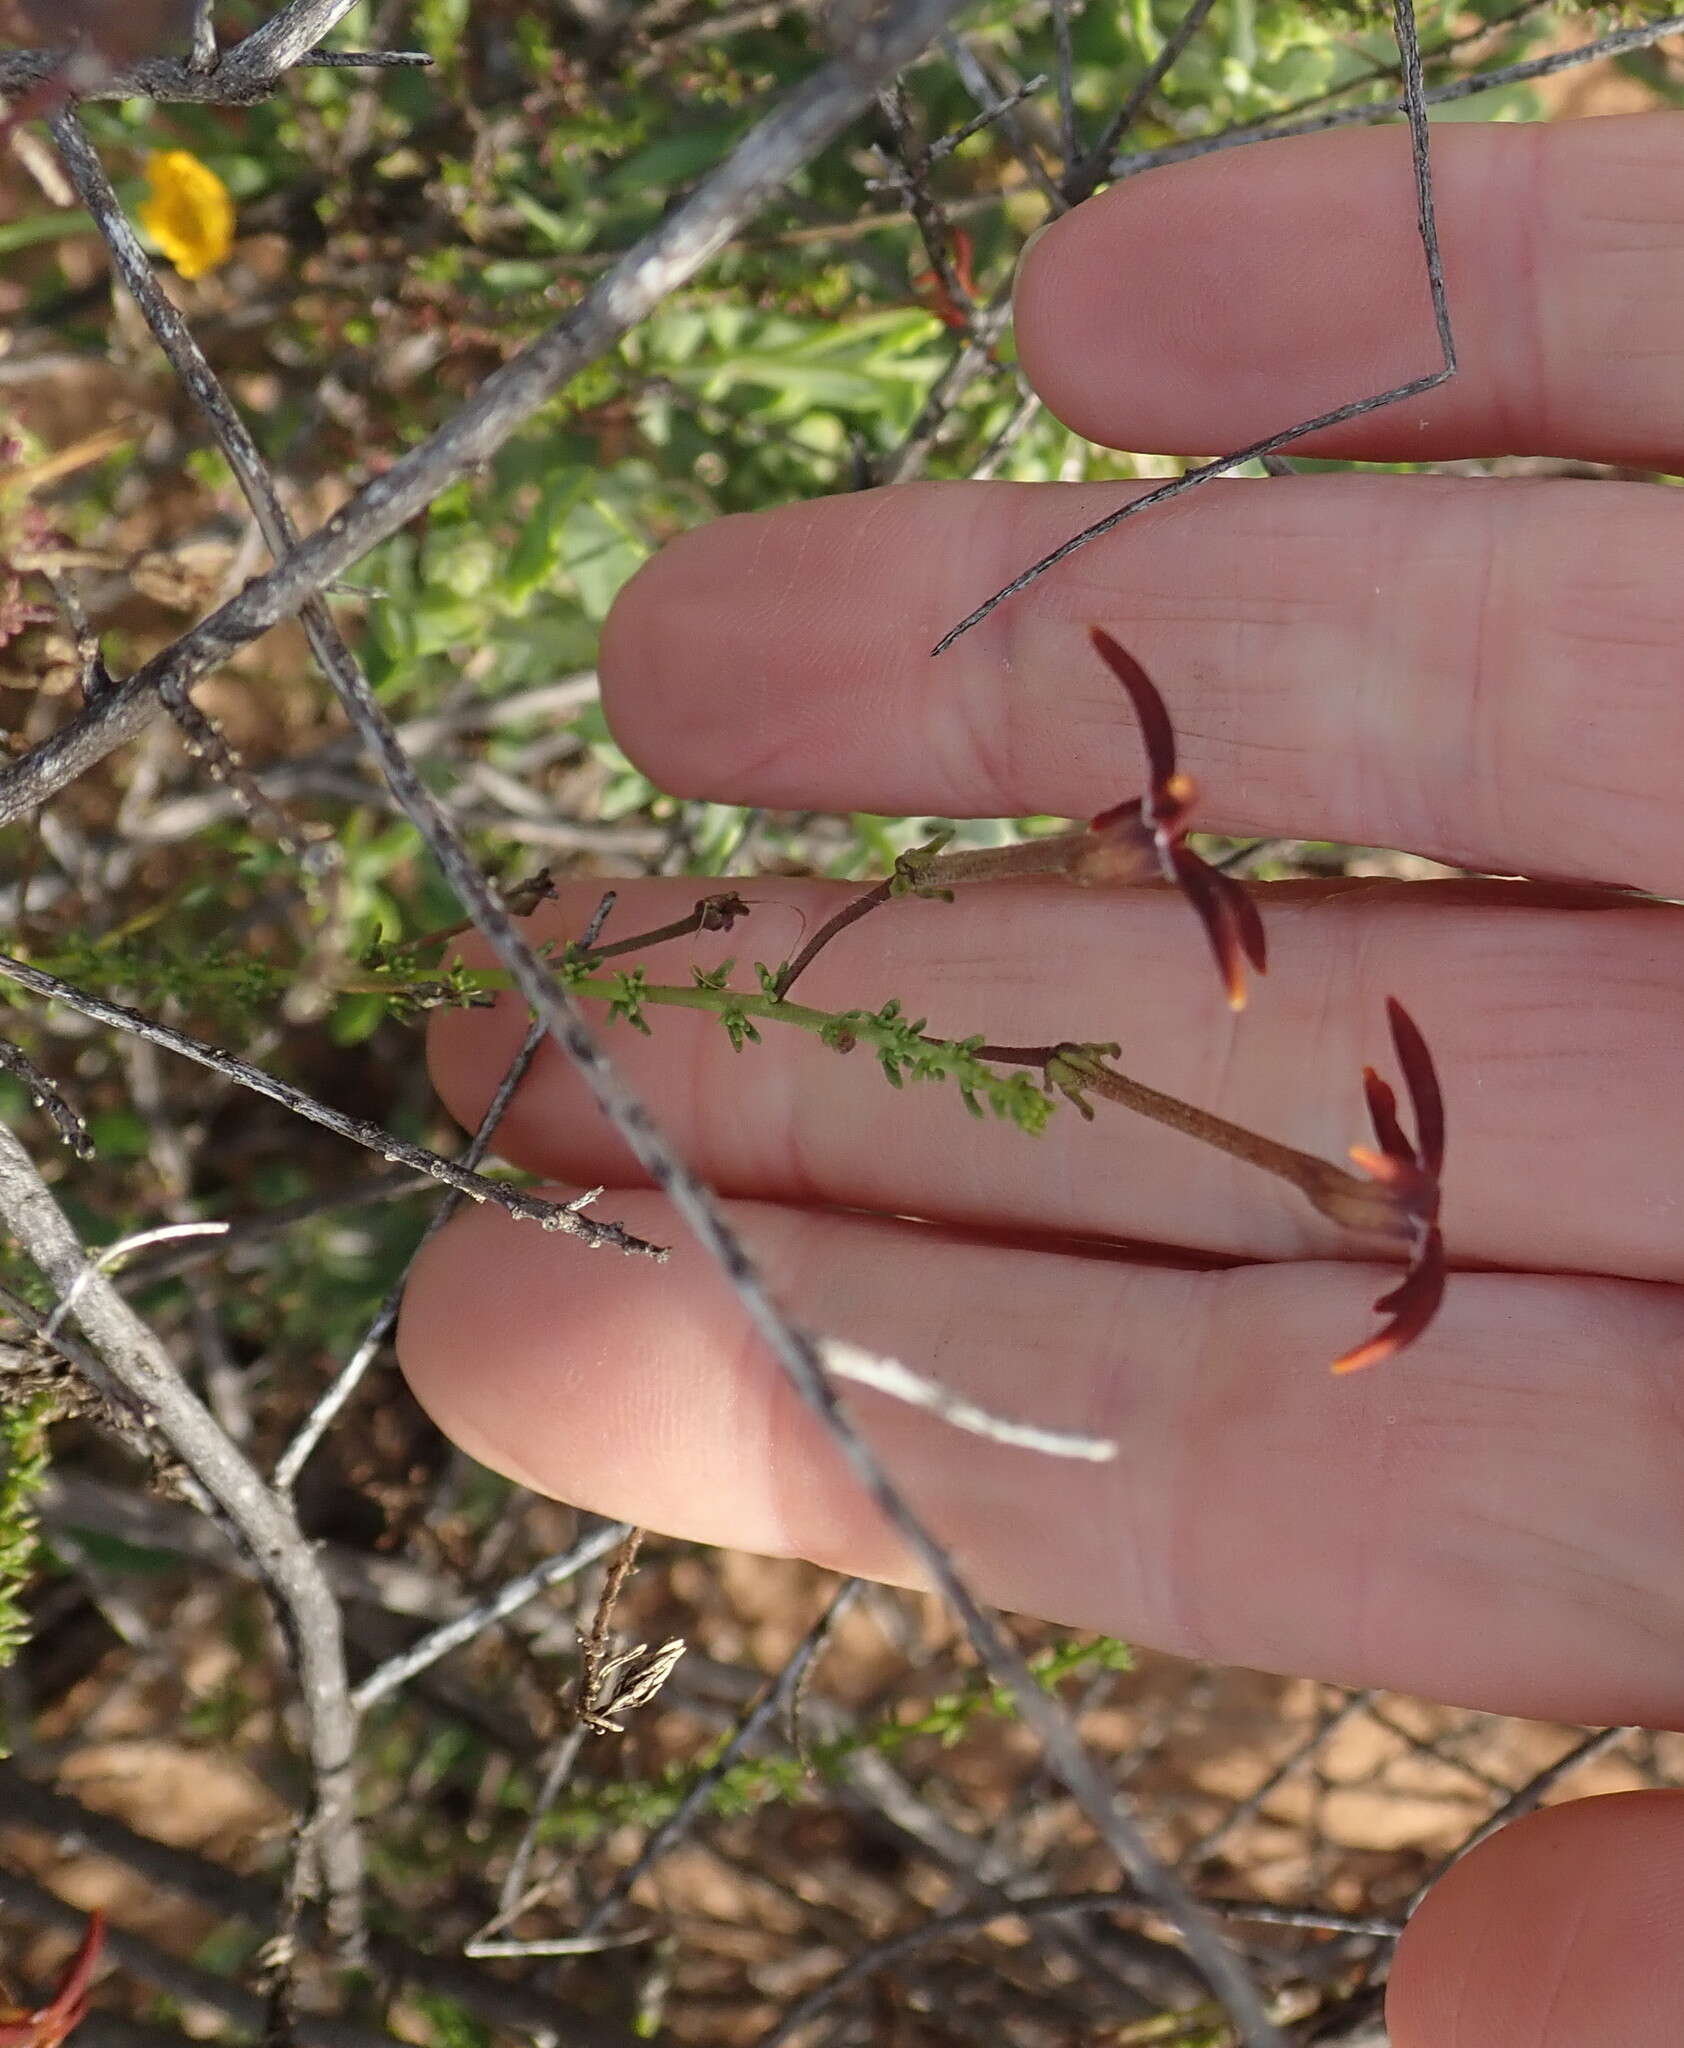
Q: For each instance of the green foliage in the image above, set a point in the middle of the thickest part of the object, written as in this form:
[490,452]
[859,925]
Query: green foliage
[23,1472]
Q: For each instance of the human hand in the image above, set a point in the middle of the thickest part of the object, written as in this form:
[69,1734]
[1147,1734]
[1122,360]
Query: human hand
[1485,671]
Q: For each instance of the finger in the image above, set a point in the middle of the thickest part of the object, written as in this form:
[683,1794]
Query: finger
[1206,305]
[1563,1931]
[1555,1034]
[1494,1519]
[1485,672]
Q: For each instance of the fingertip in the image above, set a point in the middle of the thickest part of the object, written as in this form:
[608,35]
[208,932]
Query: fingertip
[688,603]
[566,1371]
[1201,303]
[1562,1931]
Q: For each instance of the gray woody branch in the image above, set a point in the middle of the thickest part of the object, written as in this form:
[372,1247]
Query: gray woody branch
[768,157]
[249,72]
[140,1376]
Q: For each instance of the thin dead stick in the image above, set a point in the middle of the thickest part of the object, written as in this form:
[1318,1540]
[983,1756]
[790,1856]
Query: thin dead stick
[1252,1804]
[774,150]
[382,1682]
[203,54]
[330,1403]
[241,1234]
[365,60]
[1527,1797]
[945,145]
[110,1254]
[988,323]
[513,2006]
[901,1383]
[1070,130]
[240,77]
[138,1373]
[998,107]
[516,1895]
[912,178]
[286,37]
[47,1097]
[1316,1917]
[1403,23]
[771,1704]
[1023,417]
[940,1927]
[1082,179]
[593,1646]
[563,1216]
[345,1383]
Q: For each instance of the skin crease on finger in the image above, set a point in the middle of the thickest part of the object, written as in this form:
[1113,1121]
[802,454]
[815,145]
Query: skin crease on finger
[1492,1519]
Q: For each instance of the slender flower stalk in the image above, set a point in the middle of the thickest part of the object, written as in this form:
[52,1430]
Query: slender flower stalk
[1141,840]
[1395,1196]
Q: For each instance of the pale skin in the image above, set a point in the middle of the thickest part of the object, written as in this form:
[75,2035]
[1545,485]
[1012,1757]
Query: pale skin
[1491,672]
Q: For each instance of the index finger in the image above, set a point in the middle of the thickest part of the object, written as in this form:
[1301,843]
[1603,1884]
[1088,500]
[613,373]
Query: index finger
[1202,306]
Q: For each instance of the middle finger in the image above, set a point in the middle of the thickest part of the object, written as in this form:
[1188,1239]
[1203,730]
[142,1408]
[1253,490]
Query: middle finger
[1486,671]
[1564,1121]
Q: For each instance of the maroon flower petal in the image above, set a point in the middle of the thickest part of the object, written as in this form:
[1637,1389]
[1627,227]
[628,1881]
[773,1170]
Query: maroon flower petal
[1199,884]
[1421,1079]
[1150,713]
[1224,908]
[1412,1304]
[49,2024]
[1382,1113]
[1247,919]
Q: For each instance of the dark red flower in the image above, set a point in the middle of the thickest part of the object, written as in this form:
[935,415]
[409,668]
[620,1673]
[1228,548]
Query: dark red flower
[1410,1174]
[1149,835]
[48,2024]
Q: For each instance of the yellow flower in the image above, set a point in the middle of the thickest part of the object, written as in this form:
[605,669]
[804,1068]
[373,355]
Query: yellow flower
[189,213]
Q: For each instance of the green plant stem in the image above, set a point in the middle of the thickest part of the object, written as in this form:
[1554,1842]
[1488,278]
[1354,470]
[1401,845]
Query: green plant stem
[1353,1201]
[926,870]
